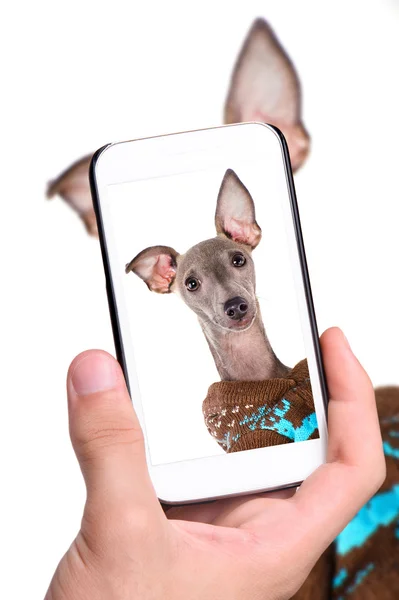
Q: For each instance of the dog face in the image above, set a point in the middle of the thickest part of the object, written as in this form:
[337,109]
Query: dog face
[215,278]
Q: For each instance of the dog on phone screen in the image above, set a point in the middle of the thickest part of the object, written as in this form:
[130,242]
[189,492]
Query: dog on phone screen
[264,87]
[216,279]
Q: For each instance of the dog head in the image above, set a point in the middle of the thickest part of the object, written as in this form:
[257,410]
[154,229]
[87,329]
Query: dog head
[215,278]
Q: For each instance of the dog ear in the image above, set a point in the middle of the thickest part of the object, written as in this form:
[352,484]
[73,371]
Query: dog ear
[156,266]
[265,87]
[235,212]
[74,187]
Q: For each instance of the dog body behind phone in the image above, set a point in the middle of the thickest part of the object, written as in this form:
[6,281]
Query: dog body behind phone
[216,279]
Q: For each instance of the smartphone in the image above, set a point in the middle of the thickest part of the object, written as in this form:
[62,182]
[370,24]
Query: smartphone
[211,309]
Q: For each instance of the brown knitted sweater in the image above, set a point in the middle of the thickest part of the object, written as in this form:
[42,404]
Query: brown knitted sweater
[242,415]
[363,563]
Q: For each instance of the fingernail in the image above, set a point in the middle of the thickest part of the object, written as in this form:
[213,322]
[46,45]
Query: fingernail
[94,374]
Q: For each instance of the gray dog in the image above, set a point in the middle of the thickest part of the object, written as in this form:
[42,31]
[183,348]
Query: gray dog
[216,279]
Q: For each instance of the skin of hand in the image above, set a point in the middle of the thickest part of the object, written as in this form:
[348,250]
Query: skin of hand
[255,547]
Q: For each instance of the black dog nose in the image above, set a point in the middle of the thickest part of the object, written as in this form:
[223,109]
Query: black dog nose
[235,308]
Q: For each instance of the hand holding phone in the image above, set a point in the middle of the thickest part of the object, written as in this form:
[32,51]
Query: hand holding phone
[258,544]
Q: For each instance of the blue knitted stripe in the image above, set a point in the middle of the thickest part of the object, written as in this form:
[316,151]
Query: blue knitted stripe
[340,578]
[359,578]
[273,419]
[390,450]
[380,511]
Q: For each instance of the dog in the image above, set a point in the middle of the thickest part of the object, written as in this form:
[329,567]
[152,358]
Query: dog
[216,279]
[264,87]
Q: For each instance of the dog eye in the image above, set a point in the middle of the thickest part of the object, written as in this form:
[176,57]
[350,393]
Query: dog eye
[239,260]
[192,284]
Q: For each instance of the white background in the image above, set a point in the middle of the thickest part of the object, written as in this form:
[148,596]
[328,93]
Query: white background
[77,75]
[173,361]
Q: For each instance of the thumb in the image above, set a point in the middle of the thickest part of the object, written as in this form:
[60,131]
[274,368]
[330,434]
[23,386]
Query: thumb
[355,467]
[106,434]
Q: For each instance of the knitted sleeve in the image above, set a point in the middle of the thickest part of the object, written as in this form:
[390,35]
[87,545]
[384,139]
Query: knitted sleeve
[243,415]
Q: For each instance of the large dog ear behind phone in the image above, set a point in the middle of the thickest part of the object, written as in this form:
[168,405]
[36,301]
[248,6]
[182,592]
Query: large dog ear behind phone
[235,212]
[74,187]
[265,87]
[156,266]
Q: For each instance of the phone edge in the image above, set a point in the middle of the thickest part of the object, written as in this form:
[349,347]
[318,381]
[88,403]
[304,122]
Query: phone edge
[304,272]
[304,269]
[113,312]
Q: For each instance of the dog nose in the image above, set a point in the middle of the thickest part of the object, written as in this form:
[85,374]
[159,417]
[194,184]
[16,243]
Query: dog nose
[235,308]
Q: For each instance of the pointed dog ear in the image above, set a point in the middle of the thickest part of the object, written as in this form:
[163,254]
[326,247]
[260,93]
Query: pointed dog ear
[74,187]
[156,266]
[235,212]
[265,87]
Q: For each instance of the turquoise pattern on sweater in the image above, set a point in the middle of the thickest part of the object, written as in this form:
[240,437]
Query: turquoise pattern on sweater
[273,419]
[359,578]
[340,578]
[380,511]
[390,450]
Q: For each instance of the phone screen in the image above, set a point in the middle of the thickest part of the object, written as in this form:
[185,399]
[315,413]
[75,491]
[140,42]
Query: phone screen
[211,309]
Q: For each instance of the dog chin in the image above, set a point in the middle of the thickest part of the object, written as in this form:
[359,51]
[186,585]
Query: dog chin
[243,324]
[238,326]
